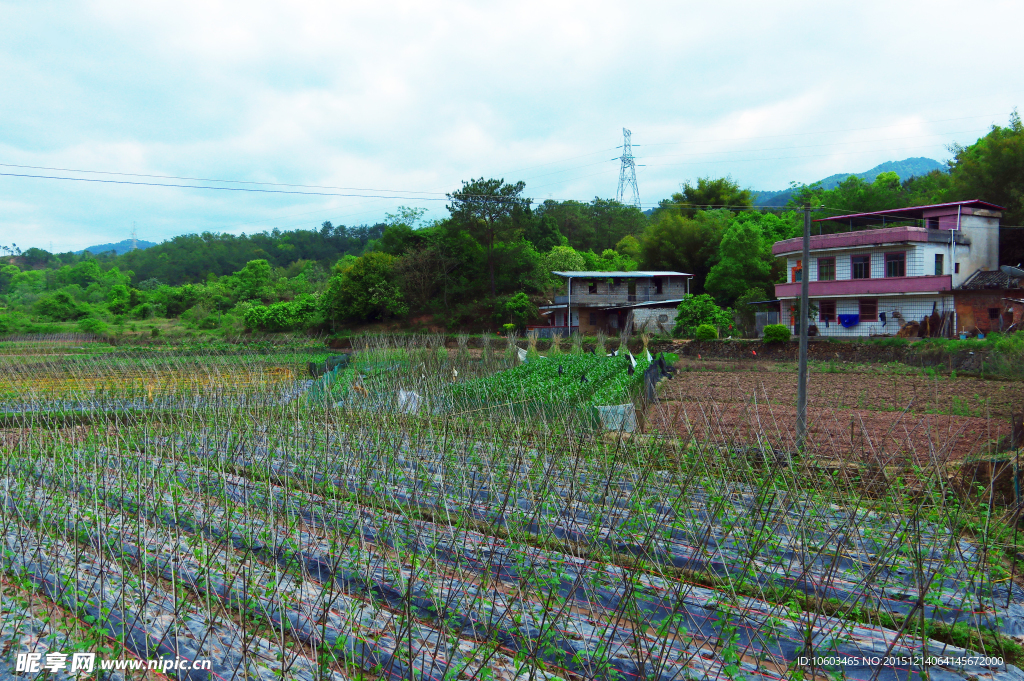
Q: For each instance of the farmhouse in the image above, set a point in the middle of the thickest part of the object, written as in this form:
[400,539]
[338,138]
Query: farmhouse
[612,301]
[891,269]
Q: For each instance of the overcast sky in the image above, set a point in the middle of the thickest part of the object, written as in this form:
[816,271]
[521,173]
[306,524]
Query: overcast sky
[407,99]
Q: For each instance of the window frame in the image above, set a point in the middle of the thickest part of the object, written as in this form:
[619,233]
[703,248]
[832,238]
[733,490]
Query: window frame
[829,259]
[901,259]
[860,309]
[824,316]
[940,264]
[857,260]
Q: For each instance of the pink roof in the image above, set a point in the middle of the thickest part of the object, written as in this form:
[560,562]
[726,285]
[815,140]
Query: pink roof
[914,212]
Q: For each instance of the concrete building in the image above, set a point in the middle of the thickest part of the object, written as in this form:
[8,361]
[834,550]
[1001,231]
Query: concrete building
[872,279]
[609,301]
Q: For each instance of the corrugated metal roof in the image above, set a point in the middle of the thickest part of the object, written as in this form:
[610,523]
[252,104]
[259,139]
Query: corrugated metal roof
[984,280]
[639,274]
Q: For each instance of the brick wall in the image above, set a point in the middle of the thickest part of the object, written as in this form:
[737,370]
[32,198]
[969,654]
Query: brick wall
[973,311]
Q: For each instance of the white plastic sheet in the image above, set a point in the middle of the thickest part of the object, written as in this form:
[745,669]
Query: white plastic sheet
[408,401]
[618,417]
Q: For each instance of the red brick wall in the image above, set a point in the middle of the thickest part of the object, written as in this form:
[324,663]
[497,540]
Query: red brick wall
[972,310]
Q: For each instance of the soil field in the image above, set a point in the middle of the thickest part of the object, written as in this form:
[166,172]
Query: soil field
[877,413]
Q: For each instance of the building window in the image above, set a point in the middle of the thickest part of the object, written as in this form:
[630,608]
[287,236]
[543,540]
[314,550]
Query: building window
[593,319]
[938,264]
[956,268]
[933,223]
[860,267]
[895,264]
[826,269]
[993,313]
[869,309]
[826,310]
[592,288]
[663,318]
[657,285]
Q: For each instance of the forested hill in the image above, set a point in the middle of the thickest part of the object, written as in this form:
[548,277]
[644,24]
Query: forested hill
[119,248]
[906,169]
[193,257]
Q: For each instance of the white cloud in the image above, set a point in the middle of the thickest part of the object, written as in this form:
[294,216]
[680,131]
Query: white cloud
[417,96]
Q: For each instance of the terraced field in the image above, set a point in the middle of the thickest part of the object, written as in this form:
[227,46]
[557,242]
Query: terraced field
[294,529]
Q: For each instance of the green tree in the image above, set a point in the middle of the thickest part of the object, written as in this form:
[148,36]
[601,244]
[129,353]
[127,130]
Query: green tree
[254,279]
[709,194]
[743,262]
[488,209]
[119,299]
[629,247]
[7,273]
[696,310]
[543,233]
[685,243]
[365,290]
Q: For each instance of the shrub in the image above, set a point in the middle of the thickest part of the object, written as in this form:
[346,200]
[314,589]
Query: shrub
[92,325]
[705,332]
[776,333]
[697,310]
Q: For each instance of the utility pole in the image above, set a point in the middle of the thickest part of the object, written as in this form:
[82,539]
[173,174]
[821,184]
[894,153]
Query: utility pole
[627,171]
[801,389]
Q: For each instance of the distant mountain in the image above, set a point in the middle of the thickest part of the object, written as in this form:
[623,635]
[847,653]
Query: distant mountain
[120,247]
[907,168]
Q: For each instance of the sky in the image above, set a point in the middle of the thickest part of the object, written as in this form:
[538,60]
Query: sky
[374,105]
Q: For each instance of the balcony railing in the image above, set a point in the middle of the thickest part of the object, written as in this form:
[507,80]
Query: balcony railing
[590,299]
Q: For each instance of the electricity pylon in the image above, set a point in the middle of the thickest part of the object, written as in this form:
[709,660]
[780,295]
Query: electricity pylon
[627,171]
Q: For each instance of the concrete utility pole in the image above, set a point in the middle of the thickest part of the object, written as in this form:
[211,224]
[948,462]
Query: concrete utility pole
[801,389]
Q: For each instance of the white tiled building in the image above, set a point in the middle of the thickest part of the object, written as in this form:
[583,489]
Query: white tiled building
[864,280]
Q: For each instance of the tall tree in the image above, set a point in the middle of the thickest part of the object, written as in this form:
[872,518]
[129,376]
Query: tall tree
[709,194]
[490,210]
[685,243]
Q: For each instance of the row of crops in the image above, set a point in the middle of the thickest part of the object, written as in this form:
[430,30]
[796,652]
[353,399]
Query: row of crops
[332,539]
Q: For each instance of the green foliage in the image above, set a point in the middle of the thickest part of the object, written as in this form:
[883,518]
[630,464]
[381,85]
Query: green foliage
[697,310]
[563,259]
[607,382]
[685,243]
[7,273]
[543,233]
[743,262]
[297,315]
[776,333]
[61,307]
[596,226]
[92,325]
[119,299]
[705,332]
[520,309]
[709,194]
[254,280]
[492,211]
[364,291]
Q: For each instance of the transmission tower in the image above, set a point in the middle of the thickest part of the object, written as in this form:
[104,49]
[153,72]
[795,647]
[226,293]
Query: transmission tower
[135,238]
[627,171]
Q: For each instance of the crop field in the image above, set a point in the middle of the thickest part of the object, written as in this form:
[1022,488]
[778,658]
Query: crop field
[422,513]
[884,414]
